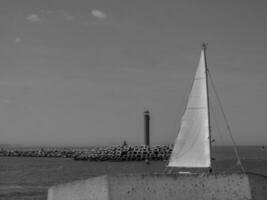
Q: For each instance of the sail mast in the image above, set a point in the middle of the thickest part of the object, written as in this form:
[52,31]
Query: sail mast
[204,46]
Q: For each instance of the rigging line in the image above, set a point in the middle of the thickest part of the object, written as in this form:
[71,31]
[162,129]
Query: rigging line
[216,121]
[227,124]
[168,170]
[230,168]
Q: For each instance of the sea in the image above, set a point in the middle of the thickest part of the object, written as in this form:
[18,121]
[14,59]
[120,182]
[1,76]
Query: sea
[29,178]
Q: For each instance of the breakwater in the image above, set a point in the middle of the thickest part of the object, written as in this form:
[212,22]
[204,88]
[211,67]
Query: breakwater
[127,153]
[106,153]
[39,152]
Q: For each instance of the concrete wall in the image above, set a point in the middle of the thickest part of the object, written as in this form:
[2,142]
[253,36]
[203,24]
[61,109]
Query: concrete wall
[182,187]
[159,187]
[258,186]
[90,189]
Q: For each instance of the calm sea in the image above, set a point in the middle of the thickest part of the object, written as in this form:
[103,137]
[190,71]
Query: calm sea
[29,178]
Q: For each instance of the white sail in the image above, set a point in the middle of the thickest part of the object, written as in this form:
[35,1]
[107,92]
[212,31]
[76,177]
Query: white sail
[192,148]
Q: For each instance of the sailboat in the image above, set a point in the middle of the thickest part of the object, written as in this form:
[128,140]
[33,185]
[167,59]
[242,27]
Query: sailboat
[192,149]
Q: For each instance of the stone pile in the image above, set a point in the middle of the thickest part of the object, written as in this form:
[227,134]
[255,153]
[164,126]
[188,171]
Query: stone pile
[127,153]
[55,153]
[108,153]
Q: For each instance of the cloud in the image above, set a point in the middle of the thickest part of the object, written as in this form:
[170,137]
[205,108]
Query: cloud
[58,14]
[67,16]
[47,12]
[33,18]
[50,12]
[98,14]
[17,40]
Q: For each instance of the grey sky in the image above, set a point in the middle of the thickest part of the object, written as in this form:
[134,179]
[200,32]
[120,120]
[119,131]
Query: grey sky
[82,72]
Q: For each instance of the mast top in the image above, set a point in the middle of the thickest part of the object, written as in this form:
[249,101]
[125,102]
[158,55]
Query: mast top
[204,45]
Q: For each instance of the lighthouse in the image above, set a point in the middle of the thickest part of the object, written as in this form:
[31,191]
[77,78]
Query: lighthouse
[146,128]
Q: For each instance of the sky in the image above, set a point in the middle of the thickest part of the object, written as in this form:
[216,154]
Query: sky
[82,72]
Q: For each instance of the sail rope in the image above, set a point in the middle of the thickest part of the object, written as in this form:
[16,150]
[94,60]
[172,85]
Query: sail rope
[227,123]
[230,168]
[214,119]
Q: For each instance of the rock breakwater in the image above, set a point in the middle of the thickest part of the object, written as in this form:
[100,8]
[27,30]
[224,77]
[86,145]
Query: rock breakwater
[127,153]
[39,152]
[107,153]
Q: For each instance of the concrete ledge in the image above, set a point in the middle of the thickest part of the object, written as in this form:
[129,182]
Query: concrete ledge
[162,186]
[258,186]
[90,189]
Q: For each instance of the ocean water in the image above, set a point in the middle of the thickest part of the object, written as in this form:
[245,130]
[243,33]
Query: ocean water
[29,178]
